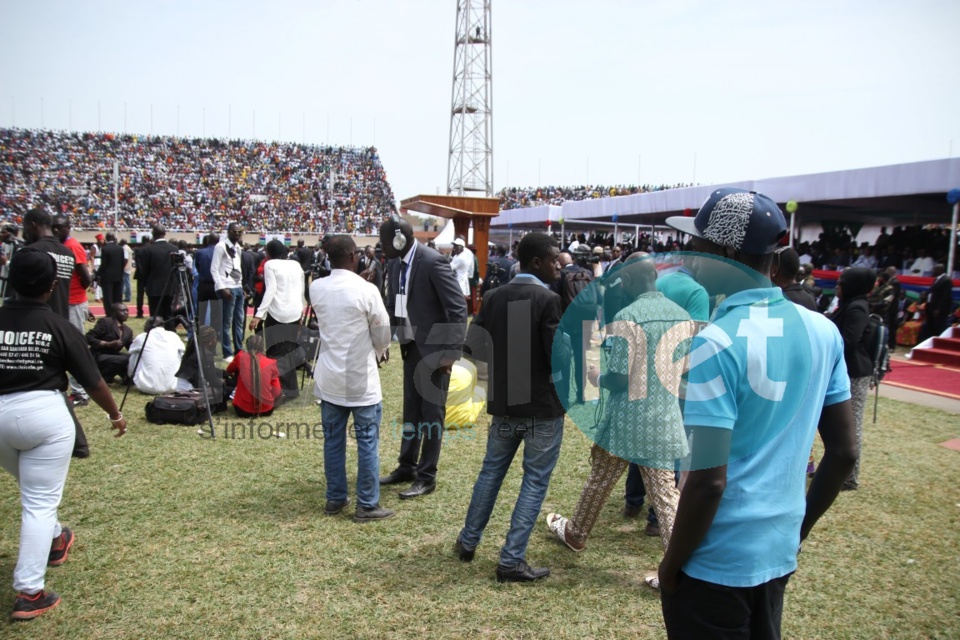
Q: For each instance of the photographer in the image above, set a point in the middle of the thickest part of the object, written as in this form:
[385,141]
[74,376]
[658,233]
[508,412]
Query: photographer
[36,428]
[278,314]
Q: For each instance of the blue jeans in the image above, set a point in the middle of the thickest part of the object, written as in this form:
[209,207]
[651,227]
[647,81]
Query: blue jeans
[366,426]
[541,438]
[233,312]
[127,291]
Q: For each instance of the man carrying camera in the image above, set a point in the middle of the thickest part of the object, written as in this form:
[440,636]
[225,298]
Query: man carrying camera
[227,272]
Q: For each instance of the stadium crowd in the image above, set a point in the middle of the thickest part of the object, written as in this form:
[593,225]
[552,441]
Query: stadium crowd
[520,197]
[188,184]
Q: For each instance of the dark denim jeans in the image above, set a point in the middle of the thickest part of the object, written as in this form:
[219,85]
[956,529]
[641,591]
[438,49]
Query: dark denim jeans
[541,447]
[233,322]
[366,426]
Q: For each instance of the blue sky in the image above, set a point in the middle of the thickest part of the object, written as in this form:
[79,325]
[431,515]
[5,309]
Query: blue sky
[606,92]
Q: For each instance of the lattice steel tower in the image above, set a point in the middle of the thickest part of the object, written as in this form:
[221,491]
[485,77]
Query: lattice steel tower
[470,163]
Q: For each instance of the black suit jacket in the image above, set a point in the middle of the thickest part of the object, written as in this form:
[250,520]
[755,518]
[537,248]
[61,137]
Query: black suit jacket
[111,263]
[941,299]
[156,267]
[435,307]
[514,334]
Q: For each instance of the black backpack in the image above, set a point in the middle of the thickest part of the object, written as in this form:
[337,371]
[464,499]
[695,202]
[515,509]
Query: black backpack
[576,292]
[877,339]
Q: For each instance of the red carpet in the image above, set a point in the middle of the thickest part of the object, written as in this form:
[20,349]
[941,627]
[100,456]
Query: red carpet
[929,378]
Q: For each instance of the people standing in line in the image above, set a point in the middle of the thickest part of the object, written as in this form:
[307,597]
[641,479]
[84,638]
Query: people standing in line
[110,274]
[79,283]
[226,269]
[742,513]
[36,429]
[523,403]
[853,320]
[279,315]
[354,329]
[428,309]
[156,272]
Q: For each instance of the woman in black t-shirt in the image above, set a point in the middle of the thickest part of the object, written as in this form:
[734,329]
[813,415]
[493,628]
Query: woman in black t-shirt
[37,350]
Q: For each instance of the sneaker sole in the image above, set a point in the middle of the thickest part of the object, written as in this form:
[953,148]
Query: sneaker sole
[66,551]
[30,615]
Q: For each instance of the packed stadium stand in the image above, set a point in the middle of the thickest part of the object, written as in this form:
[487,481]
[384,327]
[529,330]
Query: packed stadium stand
[519,197]
[192,183]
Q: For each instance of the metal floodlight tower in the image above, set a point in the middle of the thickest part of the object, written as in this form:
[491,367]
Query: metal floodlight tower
[470,161]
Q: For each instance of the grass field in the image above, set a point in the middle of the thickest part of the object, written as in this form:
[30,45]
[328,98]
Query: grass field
[184,537]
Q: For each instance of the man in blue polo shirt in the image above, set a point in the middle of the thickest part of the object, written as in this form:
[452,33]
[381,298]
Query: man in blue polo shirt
[764,376]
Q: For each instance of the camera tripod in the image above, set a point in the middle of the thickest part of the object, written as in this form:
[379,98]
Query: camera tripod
[179,275]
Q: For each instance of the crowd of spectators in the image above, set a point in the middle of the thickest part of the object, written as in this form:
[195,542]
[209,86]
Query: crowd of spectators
[187,184]
[519,197]
[912,250]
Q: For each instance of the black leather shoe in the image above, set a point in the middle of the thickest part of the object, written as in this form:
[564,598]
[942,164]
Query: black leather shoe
[397,476]
[419,488]
[521,573]
[334,507]
[368,514]
[465,554]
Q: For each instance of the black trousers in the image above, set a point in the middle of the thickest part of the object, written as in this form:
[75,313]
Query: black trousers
[161,306]
[112,293]
[141,289]
[424,411]
[281,341]
[699,609]
[112,364]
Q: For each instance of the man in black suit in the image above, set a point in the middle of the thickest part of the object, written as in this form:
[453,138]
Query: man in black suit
[430,314]
[138,273]
[155,272]
[514,334]
[110,273]
[939,304]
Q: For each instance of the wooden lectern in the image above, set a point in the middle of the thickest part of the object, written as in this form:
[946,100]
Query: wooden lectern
[463,210]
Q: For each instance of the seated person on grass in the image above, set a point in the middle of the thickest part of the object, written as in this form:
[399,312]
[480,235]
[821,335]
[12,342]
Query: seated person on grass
[258,381]
[108,338]
[155,357]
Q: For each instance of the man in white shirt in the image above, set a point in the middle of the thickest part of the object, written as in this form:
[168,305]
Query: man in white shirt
[158,357]
[923,265]
[462,266]
[279,314]
[228,282]
[354,332]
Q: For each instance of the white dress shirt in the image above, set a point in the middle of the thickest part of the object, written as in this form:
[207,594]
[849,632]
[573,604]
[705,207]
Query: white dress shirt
[282,291]
[354,332]
[161,359]
[226,272]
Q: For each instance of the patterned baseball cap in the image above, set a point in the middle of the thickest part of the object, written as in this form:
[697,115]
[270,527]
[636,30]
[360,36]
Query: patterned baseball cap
[744,220]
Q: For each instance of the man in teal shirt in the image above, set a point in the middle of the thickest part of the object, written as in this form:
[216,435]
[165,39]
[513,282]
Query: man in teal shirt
[765,376]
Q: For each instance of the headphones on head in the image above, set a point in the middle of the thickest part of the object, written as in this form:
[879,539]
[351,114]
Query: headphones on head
[399,240]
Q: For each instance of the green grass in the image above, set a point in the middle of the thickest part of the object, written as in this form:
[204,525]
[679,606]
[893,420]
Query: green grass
[183,537]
